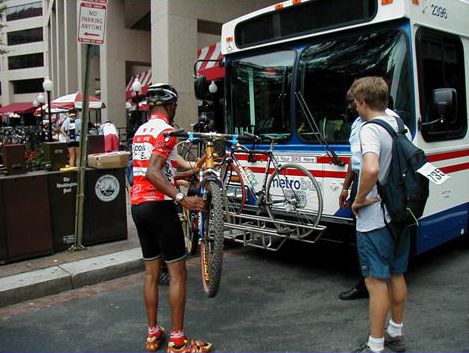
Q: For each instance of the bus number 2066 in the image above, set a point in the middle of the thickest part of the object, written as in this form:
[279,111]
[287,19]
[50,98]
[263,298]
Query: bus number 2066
[439,11]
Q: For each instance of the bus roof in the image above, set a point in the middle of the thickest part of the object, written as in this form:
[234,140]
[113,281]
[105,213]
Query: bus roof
[449,16]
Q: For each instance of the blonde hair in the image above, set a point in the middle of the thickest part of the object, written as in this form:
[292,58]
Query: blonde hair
[372,90]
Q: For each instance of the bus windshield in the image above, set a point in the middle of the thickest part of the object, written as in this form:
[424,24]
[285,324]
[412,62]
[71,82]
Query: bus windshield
[327,69]
[260,90]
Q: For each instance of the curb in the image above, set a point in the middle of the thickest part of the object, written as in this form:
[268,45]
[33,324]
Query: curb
[77,274]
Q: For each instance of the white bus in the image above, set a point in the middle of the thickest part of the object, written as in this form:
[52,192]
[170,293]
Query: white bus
[313,50]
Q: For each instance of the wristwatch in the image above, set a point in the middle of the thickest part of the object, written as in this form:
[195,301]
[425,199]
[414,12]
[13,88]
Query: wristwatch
[179,197]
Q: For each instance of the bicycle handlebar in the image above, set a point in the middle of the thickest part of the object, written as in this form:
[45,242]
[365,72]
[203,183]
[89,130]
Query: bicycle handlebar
[252,136]
[211,136]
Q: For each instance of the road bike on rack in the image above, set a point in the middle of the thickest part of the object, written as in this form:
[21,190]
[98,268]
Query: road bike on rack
[288,193]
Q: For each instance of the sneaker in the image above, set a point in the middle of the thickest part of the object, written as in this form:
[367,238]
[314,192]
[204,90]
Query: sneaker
[357,292]
[396,344]
[153,342]
[363,348]
[164,278]
[190,346]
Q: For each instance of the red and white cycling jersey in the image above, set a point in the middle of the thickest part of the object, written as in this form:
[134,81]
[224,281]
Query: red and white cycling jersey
[149,139]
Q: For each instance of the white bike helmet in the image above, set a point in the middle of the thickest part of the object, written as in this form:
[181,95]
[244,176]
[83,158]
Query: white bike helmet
[161,94]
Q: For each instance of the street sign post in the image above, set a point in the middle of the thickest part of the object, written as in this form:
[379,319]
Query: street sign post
[92,22]
[91,30]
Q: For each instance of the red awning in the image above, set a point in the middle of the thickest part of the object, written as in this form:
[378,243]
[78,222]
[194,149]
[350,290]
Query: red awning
[210,69]
[144,78]
[18,108]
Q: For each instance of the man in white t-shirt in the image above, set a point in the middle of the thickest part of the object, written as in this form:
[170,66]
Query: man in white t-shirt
[350,186]
[382,264]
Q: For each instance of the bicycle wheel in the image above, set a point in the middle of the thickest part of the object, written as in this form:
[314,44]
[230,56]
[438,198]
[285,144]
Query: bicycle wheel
[233,187]
[211,245]
[293,194]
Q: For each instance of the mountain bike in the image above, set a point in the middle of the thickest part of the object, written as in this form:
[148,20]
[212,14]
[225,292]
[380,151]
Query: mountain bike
[210,223]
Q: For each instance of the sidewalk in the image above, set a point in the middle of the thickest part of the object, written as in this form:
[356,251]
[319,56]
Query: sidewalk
[34,278]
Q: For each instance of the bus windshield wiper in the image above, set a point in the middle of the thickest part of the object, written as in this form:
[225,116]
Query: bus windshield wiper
[315,129]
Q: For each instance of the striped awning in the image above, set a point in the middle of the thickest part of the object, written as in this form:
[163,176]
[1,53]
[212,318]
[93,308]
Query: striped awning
[144,78]
[211,69]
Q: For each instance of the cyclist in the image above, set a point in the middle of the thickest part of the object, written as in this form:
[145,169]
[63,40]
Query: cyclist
[153,199]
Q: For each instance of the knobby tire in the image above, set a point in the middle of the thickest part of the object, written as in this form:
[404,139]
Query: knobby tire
[211,246]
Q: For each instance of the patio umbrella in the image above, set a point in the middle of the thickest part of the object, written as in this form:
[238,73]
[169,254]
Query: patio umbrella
[75,101]
[45,111]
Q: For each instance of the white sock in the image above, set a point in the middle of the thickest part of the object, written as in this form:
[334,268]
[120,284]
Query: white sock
[394,329]
[376,344]
[153,330]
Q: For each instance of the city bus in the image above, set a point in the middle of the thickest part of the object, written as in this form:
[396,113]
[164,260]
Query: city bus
[288,68]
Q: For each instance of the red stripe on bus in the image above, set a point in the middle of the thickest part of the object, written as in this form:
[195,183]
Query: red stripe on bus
[447,155]
[455,168]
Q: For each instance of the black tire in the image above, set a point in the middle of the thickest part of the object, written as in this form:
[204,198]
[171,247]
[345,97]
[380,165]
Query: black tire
[211,245]
[233,187]
[293,194]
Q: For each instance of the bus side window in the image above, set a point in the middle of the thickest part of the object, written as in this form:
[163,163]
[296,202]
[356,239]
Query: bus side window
[441,68]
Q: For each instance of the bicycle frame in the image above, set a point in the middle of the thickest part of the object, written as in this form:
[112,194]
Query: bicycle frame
[253,196]
[207,173]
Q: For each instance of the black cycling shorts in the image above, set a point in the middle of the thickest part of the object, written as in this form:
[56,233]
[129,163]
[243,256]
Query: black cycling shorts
[159,231]
[73,144]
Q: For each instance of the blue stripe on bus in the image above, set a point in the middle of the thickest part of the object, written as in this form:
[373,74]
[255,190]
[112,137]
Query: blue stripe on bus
[436,229]
[442,227]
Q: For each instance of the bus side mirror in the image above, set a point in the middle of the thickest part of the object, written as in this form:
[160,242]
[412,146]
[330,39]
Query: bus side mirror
[201,87]
[445,105]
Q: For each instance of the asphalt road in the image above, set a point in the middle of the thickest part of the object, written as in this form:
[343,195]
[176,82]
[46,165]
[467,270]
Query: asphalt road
[268,302]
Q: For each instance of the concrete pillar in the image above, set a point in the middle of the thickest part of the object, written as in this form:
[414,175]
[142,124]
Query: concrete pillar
[112,66]
[174,39]
[121,45]
[175,42]
[70,46]
[7,92]
[160,43]
[53,69]
[60,57]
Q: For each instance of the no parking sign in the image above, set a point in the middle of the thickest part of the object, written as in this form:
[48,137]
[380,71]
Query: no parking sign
[92,21]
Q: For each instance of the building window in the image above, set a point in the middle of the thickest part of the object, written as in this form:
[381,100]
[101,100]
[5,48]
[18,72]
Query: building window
[28,86]
[25,61]
[25,36]
[24,11]
[441,66]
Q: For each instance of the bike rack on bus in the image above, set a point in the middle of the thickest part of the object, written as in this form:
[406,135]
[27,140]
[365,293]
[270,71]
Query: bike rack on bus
[264,233]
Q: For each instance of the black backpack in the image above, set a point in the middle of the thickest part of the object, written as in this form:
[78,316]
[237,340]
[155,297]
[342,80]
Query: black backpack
[405,191]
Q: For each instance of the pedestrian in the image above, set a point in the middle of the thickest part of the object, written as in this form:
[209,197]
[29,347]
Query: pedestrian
[383,263]
[349,189]
[71,129]
[154,198]
[111,136]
